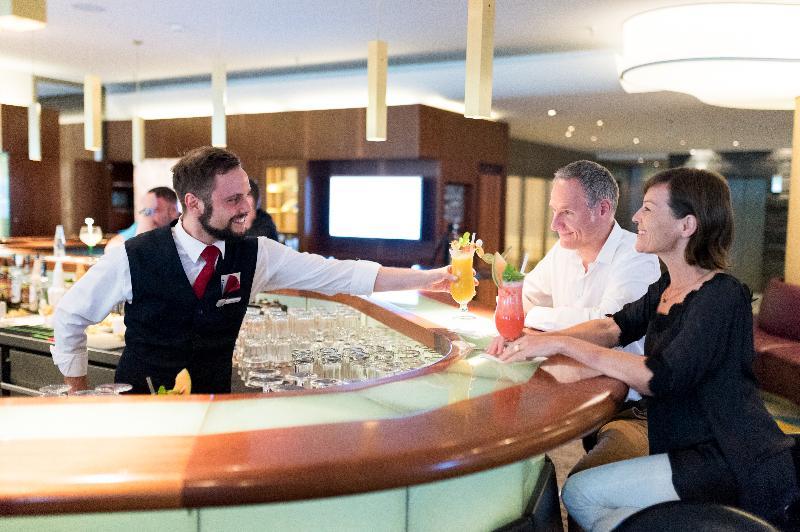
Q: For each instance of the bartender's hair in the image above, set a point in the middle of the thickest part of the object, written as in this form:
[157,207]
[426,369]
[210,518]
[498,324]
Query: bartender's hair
[255,193]
[706,196]
[196,170]
[595,179]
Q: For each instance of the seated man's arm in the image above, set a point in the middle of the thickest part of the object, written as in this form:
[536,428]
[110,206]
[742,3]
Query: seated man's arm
[87,302]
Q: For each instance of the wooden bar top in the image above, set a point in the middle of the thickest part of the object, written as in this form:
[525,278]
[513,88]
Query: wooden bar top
[460,415]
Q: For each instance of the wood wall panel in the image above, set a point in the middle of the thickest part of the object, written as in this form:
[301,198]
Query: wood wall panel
[333,134]
[117,138]
[91,191]
[34,186]
[402,135]
[76,199]
[450,134]
[267,136]
[173,137]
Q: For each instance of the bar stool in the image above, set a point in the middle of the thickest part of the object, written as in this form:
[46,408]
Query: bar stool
[678,516]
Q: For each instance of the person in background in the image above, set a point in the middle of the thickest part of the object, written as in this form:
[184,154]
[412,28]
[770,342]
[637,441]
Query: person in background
[159,208]
[186,286]
[711,438]
[593,270]
[259,222]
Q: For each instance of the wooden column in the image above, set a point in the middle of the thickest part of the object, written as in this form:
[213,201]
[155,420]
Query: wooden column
[792,268]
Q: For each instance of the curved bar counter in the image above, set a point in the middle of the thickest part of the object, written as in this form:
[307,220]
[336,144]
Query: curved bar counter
[461,415]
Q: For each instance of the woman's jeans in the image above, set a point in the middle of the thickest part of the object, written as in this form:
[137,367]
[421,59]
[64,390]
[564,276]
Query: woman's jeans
[600,498]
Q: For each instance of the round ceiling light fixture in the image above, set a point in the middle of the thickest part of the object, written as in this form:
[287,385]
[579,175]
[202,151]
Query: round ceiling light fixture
[745,56]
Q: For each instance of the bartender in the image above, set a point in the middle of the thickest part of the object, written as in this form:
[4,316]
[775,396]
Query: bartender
[186,286]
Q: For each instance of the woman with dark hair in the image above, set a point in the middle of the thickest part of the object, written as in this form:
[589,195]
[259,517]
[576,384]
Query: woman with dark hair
[711,439]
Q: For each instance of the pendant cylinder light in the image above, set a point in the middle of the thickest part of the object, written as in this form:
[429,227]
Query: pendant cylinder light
[92,113]
[137,122]
[218,99]
[34,131]
[137,139]
[23,15]
[377,66]
[480,49]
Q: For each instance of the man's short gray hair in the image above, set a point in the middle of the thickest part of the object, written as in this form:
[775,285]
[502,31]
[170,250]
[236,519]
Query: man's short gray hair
[595,179]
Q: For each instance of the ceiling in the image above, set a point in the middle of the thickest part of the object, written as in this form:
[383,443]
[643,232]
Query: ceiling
[292,54]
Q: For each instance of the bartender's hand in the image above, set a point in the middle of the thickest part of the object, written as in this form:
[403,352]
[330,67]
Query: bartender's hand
[77,383]
[441,278]
[531,346]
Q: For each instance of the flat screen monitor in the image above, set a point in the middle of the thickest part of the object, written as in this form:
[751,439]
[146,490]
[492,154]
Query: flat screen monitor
[385,207]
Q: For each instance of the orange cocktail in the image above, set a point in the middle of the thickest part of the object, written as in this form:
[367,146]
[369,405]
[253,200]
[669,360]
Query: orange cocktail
[463,290]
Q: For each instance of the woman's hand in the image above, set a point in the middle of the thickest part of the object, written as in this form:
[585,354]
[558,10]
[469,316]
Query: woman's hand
[498,343]
[531,346]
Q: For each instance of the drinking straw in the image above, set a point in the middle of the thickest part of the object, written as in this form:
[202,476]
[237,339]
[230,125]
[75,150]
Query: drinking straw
[524,263]
[150,385]
[473,237]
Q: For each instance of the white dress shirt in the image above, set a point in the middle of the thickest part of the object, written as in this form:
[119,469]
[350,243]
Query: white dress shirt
[559,292]
[109,282]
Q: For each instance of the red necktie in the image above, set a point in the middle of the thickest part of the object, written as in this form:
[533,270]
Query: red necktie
[210,254]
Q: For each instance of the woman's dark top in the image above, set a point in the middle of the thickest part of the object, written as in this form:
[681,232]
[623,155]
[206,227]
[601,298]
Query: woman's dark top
[705,411]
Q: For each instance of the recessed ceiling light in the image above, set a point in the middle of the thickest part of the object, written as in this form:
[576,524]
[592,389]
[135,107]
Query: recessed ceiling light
[640,160]
[88,7]
[176,28]
[568,134]
[656,164]
[683,142]
[693,152]
[593,138]
[599,123]
[636,140]
[551,112]
[570,128]
[735,143]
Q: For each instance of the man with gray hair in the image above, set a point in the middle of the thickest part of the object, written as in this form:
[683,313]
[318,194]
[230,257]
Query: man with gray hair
[592,271]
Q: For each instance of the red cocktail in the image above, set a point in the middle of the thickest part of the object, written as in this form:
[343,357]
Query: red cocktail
[509,316]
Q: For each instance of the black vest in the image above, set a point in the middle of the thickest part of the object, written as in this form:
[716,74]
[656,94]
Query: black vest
[169,328]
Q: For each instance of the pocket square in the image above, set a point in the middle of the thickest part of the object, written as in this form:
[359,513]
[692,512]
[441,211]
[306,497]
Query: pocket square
[222,302]
[230,283]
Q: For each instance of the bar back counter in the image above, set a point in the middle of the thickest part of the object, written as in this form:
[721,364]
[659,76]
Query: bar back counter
[457,444]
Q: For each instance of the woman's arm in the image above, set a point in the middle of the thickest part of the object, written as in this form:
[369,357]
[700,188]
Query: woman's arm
[587,343]
[604,332]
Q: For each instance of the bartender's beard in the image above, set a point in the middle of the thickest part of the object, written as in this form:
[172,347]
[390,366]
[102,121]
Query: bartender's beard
[226,233]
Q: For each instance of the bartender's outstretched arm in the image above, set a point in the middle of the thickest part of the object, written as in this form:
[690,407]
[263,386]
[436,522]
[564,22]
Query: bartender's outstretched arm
[437,280]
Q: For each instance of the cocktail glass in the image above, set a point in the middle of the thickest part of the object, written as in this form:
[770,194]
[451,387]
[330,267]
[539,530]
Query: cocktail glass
[463,290]
[115,388]
[90,234]
[509,317]
[54,390]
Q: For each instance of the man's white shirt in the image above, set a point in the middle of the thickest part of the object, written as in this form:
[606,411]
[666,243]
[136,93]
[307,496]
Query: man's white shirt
[109,282]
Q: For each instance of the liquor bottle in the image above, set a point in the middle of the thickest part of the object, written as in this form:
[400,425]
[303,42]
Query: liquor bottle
[59,242]
[35,284]
[56,289]
[16,274]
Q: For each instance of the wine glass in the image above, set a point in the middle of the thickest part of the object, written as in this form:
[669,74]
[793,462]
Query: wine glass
[90,234]
[463,290]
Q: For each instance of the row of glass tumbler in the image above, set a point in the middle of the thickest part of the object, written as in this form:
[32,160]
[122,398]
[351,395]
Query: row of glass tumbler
[319,348]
